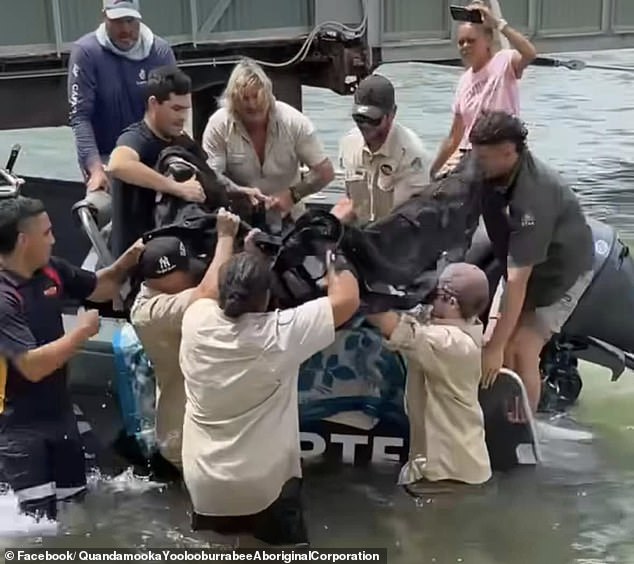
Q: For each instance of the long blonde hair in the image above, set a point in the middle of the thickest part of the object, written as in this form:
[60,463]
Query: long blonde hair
[246,74]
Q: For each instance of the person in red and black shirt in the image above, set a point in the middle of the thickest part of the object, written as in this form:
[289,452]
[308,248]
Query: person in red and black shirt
[41,454]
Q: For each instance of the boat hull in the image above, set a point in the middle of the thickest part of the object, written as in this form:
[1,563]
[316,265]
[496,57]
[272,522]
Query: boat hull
[345,419]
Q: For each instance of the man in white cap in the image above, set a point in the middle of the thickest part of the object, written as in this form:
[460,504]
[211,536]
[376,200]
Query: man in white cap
[107,71]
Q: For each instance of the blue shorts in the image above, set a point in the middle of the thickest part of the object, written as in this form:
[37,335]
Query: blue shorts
[43,462]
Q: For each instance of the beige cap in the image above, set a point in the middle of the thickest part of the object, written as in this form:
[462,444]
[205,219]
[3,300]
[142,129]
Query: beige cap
[468,284]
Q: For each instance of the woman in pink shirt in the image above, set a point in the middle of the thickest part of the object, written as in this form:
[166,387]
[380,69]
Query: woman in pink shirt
[490,81]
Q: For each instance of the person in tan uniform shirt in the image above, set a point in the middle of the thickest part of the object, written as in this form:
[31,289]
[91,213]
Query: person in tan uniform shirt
[257,144]
[241,443]
[173,280]
[384,162]
[447,439]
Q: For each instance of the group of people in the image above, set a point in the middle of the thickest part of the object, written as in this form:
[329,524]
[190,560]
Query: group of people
[227,416]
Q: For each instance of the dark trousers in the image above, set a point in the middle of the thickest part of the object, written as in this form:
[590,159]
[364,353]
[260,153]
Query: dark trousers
[281,523]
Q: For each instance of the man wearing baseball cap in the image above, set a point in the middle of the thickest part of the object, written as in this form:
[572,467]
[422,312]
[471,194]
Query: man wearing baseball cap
[447,439]
[172,280]
[105,92]
[385,163]
[117,9]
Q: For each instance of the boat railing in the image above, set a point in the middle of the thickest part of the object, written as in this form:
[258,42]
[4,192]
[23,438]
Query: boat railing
[10,184]
[528,412]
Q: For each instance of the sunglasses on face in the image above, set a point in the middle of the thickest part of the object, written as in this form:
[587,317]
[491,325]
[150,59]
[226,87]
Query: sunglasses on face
[365,121]
[444,295]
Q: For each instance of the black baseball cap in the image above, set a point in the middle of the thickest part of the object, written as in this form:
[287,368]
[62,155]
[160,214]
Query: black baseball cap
[374,97]
[164,255]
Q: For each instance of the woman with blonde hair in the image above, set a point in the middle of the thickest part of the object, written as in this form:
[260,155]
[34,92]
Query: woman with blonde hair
[257,144]
[490,82]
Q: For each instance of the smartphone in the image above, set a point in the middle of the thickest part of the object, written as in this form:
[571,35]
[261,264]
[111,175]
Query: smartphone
[462,14]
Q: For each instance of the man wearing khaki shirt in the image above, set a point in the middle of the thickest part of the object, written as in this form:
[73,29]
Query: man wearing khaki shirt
[447,439]
[170,286]
[384,162]
[257,144]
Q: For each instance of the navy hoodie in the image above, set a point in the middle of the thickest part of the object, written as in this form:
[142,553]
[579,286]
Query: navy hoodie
[105,93]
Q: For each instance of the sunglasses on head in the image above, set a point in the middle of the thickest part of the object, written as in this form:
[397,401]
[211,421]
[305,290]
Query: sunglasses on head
[366,121]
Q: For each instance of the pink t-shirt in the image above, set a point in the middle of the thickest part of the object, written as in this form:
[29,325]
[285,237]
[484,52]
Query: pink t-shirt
[494,87]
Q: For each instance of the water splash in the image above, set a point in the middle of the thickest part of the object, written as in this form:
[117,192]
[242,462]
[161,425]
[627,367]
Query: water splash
[16,524]
[128,482]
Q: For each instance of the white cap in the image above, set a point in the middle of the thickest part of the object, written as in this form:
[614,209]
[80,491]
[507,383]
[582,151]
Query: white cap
[116,9]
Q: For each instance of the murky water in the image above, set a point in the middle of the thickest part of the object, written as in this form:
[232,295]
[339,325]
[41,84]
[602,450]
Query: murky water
[578,506]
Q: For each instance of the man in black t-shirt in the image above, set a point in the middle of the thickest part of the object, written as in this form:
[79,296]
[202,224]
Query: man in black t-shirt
[538,230]
[135,183]
[41,452]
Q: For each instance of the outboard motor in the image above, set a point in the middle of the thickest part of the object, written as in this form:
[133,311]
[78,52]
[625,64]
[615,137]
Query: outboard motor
[606,310]
[93,215]
[601,328]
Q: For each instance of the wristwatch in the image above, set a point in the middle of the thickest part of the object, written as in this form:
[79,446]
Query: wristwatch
[502,23]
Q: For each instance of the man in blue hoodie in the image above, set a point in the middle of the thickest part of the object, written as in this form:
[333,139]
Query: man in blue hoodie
[107,71]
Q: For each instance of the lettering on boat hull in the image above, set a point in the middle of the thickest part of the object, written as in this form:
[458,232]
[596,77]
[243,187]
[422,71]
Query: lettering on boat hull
[354,449]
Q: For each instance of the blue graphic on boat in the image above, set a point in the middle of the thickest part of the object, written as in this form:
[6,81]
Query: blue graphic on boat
[357,374]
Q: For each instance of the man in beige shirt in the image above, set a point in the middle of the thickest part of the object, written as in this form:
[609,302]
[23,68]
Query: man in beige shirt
[384,162]
[257,144]
[447,439]
[172,281]
[241,442]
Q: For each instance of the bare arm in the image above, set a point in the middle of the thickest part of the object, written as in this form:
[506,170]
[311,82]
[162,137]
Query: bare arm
[310,151]
[525,52]
[110,278]
[208,287]
[125,165]
[37,364]
[528,245]
[449,145]
[343,293]
[317,178]
[227,225]
[511,307]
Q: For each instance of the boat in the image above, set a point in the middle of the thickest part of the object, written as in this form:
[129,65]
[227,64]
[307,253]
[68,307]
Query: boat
[357,419]
[346,418]
[351,420]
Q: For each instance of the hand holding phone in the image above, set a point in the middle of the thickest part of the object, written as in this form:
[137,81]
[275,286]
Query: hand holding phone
[469,15]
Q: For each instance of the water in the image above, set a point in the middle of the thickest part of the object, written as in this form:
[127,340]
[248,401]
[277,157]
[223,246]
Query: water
[578,507]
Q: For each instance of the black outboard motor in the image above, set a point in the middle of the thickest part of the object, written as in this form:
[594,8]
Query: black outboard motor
[600,330]
[606,310]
